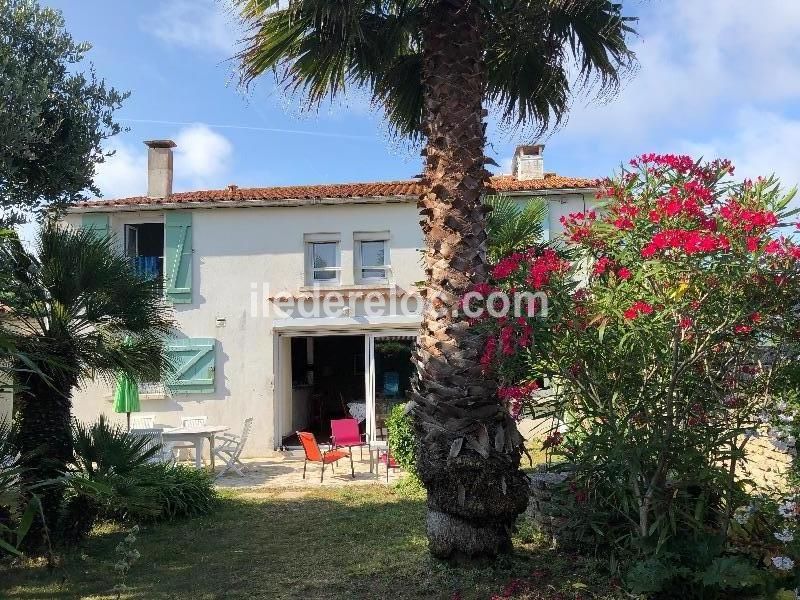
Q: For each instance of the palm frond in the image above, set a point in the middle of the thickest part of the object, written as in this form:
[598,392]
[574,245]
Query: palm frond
[511,228]
[529,46]
[80,306]
[322,48]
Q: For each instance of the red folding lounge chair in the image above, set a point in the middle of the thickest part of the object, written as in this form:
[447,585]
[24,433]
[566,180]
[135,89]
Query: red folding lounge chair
[314,454]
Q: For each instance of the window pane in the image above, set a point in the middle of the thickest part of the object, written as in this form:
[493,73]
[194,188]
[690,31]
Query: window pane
[373,273]
[324,255]
[373,254]
[324,275]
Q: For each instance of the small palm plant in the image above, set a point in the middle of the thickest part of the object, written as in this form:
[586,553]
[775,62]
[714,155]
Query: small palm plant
[79,310]
[102,476]
[512,228]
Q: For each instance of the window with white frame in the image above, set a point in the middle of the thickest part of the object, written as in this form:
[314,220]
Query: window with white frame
[323,262]
[371,256]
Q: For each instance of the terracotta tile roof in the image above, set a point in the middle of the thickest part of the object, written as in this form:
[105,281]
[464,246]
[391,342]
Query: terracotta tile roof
[411,188]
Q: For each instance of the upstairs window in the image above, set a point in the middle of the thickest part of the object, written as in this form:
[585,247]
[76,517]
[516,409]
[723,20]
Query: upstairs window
[144,245]
[323,264]
[372,257]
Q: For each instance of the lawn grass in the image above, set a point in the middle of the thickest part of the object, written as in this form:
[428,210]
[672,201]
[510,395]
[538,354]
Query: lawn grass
[349,543]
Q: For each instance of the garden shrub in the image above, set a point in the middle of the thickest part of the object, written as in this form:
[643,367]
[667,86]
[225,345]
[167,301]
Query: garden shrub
[668,319]
[18,508]
[401,435]
[112,476]
[180,490]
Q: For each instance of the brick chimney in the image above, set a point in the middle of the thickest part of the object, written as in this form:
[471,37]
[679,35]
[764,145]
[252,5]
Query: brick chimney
[159,168]
[528,162]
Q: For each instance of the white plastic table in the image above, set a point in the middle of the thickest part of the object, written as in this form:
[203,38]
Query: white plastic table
[196,435]
[377,446]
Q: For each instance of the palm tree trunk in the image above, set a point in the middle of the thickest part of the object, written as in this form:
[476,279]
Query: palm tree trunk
[44,433]
[469,451]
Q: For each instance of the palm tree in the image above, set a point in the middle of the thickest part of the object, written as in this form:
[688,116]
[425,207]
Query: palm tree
[78,309]
[432,65]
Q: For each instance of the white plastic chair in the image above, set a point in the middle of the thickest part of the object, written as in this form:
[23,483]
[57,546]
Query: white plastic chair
[190,422]
[155,439]
[194,421]
[229,448]
[143,421]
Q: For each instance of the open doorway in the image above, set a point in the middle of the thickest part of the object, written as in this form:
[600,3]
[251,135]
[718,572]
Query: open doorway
[327,383]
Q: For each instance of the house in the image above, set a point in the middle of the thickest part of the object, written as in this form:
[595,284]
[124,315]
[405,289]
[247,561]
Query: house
[293,305]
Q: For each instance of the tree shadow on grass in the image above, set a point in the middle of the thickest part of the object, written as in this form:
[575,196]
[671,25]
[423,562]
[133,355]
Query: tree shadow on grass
[347,543]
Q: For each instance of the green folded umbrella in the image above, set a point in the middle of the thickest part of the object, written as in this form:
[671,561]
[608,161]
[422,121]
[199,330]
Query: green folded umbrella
[126,396]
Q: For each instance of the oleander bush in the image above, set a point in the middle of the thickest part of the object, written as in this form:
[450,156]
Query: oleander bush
[658,333]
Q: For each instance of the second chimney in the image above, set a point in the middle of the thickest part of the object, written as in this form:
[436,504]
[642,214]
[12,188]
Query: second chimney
[159,168]
[528,162]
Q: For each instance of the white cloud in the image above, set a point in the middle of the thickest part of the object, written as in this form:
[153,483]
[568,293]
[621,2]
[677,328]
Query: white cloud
[202,160]
[124,173]
[202,157]
[696,61]
[760,143]
[198,24]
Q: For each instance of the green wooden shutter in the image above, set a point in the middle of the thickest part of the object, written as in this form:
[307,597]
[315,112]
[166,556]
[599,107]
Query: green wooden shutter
[193,360]
[96,222]
[178,256]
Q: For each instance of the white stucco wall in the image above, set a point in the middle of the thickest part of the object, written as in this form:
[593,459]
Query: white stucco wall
[237,252]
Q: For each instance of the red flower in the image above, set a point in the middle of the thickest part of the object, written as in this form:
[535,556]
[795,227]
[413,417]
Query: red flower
[602,265]
[507,340]
[624,273]
[685,322]
[752,243]
[742,329]
[552,440]
[640,307]
[507,266]
[623,223]
[488,353]
[543,267]
[756,317]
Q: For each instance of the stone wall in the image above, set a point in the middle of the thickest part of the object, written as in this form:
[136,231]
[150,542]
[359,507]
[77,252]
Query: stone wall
[766,465]
[543,510]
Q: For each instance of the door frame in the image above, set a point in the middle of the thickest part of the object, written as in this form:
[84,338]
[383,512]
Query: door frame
[282,385]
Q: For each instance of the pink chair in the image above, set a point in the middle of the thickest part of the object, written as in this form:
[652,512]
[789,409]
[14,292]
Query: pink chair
[345,434]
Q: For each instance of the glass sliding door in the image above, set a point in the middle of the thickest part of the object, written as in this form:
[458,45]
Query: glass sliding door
[388,378]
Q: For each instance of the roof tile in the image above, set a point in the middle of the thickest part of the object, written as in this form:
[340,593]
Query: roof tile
[410,188]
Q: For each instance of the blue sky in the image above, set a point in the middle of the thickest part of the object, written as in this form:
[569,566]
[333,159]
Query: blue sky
[717,81]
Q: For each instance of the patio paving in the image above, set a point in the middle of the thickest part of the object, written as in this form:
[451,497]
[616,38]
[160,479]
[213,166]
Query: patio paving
[285,470]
